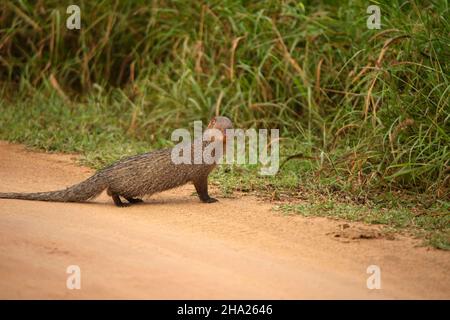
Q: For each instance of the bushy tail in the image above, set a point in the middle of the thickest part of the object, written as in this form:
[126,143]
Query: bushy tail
[83,191]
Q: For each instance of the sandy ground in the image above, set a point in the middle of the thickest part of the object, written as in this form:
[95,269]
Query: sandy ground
[173,246]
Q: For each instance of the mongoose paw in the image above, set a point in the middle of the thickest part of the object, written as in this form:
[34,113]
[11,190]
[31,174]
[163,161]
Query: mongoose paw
[123,205]
[134,200]
[210,200]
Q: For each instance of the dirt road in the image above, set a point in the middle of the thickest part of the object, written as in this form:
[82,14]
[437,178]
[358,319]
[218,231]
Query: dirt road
[172,246]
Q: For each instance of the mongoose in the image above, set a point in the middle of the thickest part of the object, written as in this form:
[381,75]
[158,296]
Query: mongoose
[136,176]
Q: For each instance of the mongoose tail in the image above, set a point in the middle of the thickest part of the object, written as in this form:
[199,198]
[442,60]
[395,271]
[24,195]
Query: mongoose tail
[88,189]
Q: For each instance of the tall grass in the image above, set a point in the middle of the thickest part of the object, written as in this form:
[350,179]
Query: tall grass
[362,109]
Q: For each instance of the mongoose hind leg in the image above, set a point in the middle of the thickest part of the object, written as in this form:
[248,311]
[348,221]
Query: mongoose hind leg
[134,200]
[201,186]
[116,198]
[118,202]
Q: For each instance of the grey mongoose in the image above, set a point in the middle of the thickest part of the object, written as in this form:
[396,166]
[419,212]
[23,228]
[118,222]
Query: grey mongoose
[136,176]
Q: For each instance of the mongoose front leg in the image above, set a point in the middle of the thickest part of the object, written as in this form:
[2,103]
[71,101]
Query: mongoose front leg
[134,200]
[117,201]
[201,186]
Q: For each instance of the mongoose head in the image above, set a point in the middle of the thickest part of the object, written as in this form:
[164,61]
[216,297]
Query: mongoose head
[222,124]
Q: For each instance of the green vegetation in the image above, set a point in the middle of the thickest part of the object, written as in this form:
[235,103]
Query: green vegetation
[363,114]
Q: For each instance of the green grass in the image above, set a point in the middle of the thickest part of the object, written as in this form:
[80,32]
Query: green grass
[363,114]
